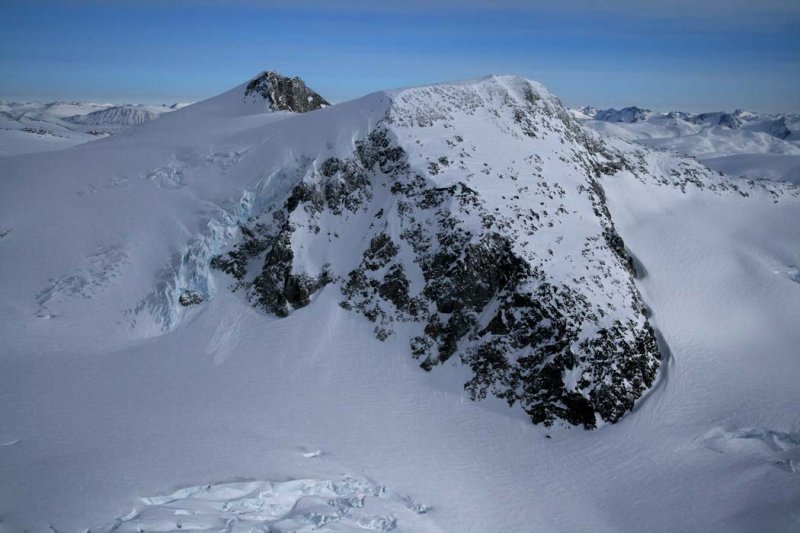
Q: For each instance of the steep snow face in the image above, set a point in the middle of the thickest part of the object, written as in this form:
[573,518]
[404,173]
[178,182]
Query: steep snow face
[191,178]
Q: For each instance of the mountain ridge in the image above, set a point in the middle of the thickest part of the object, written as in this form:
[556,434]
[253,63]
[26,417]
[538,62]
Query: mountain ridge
[753,145]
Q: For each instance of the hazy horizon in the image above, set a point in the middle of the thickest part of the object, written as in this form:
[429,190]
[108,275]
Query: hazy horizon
[676,56]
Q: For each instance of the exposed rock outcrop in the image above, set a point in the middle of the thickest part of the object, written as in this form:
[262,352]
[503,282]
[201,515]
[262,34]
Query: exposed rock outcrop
[285,94]
[189,298]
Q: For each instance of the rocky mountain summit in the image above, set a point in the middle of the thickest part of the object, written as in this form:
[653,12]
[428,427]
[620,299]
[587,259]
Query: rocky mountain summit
[480,231]
[284,94]
[507,261]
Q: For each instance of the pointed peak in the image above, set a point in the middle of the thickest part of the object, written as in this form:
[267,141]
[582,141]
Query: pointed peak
[284,93]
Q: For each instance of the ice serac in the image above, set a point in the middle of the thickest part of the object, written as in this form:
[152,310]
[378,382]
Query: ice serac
[478,230]
[283,93]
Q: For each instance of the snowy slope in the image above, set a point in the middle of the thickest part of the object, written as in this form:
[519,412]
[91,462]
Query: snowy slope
[282,403]
[755,145]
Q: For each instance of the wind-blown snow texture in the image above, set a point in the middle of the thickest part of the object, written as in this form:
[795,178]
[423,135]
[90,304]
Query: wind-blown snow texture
[474,229]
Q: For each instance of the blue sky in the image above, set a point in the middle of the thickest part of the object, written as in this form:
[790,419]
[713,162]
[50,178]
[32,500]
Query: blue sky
[685,54]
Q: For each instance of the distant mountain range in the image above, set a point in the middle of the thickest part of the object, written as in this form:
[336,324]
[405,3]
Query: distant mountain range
[27,127]
[755,145]
[781,125]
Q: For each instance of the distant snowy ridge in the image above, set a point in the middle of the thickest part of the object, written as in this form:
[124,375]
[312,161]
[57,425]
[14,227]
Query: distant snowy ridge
[780,125]
[626,114]
[755,145]
[37,127]
[120,115]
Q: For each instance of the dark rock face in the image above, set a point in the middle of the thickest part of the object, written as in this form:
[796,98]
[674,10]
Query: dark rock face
[188,298]
[778,128]
[285,94]
[466,274]
[341,186]
[626,114]
[720,118]
[278,289]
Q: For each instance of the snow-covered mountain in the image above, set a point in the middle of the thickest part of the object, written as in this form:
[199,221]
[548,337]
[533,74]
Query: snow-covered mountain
[626,114]
[125,115]
[275,312]
[755,145]
[27,127]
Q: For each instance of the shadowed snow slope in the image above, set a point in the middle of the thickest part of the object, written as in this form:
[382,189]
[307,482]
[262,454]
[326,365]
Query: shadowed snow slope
[472,229]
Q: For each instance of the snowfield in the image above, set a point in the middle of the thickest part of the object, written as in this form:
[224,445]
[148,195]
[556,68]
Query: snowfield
[262,403]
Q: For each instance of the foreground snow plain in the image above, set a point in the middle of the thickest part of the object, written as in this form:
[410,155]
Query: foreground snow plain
[234,417]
